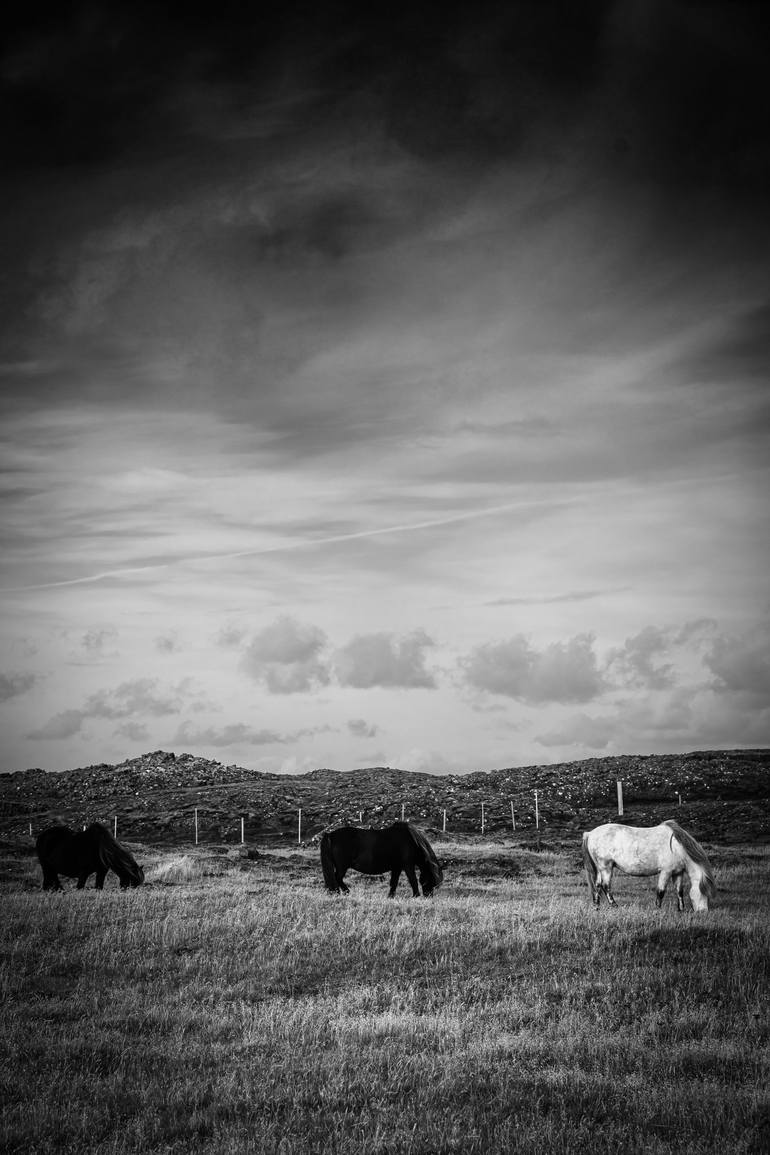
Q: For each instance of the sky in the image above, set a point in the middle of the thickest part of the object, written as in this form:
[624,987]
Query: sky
[382,386]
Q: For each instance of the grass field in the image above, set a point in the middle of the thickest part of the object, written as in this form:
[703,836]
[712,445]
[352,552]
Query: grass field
[232,1006]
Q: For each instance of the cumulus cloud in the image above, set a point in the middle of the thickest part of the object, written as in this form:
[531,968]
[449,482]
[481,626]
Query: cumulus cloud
[140,697]
[230,636]
[561,672]
[639,661]
[286,657]
[12,685]
[96,640]
[362,729]
[383,660]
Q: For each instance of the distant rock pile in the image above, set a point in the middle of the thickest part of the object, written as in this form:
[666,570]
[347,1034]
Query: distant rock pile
[160,795]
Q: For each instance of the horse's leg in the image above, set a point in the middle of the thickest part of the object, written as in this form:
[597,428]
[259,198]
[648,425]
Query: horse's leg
[679,880]
[409,871]
[51,880]
[340,876]
[605,875]
[663,879]
[101,874]
[394,877]
[82,881]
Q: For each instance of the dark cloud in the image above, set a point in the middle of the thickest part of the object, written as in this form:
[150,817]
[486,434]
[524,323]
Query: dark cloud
[359,728]
[560,672]
[384,660]
[233,734]
[168,643]
[555,599]
[63,725]
[12,685]
[741,665]
[580,730]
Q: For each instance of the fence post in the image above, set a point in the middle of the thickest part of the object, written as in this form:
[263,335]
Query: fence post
[482,817]
[299,826]
[242,832]
[361,817]
[30,829]
[115,827]
[443,827]
[679,796]
[537,814]
[196,825]
[620,798]
[402,812]
[513,818]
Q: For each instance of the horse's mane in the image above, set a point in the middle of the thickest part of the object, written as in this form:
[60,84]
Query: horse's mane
[696,852]
[112,854]
[431,862]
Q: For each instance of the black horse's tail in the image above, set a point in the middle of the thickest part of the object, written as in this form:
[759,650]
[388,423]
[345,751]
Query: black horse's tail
[590,866]
[115,857]
[327,864]
[431,864]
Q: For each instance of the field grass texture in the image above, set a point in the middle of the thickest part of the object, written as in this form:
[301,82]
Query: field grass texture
[233,1006]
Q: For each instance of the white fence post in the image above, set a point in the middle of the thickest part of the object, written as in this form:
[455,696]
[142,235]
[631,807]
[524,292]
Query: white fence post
[537,814]
[402,812]
[299,826]
[620,798]
[242,831]
[482,817]
[115,827]
[443,827]
[513,818]
[196,825]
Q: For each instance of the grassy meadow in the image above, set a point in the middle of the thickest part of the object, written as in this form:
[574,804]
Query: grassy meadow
[230,1005]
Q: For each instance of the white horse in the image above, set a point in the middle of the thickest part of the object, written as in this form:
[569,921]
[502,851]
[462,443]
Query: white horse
[666,850]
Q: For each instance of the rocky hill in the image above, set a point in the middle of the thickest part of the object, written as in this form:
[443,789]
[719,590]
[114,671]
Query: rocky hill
[720,795]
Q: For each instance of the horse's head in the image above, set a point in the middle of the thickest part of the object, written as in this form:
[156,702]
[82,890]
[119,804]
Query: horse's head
[131,876]
[431,876]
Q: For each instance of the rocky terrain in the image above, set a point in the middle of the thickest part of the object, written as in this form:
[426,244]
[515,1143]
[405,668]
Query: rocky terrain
[719,795]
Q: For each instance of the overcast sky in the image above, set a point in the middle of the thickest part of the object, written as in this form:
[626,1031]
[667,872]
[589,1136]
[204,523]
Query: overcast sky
[385,390]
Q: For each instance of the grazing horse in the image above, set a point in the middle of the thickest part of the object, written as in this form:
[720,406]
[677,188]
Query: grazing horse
[666,850]
[78,853]
[398,847]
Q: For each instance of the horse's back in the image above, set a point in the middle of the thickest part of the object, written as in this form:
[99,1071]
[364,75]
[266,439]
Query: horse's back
[635,849]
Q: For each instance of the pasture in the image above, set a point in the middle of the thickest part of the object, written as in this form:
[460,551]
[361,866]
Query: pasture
[231,1005]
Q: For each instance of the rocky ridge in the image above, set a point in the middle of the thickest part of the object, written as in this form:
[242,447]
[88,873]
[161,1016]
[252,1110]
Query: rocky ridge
[155,797]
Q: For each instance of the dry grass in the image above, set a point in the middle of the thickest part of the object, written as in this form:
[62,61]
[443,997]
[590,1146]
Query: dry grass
[241,1009]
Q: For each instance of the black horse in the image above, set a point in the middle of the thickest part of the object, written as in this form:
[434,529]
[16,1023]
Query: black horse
[398,847]
[78,853]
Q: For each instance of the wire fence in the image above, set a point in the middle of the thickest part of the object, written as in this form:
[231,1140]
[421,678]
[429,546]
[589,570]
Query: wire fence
[213,824]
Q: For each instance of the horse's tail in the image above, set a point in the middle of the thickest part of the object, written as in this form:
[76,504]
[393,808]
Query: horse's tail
[115,857]
[590,867]
[430,863]
[693,850]
[327,863]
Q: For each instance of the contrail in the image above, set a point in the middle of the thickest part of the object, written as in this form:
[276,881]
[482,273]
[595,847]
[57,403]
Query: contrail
[285,547]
